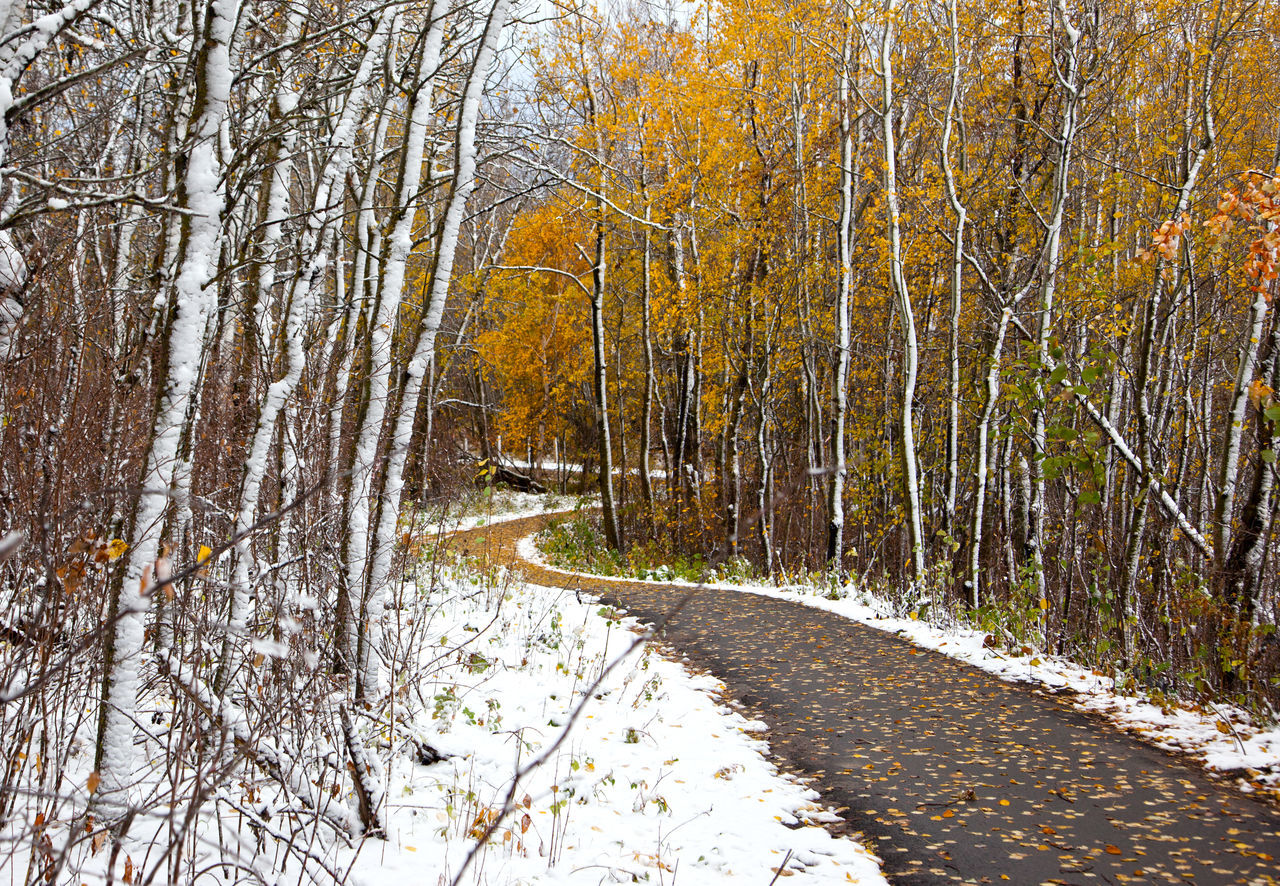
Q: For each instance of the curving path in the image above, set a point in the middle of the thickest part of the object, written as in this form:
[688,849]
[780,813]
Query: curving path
[950,774]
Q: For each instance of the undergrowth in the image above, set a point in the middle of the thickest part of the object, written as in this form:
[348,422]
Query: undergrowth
[577,543]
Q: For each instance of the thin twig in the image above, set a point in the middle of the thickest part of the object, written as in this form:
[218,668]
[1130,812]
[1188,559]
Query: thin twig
[782,867]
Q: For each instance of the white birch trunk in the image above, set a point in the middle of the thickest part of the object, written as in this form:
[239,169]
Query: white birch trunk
[194,295]
[902,296]
[391,291]
[1230,467]
[840,385]
[464,174]
[991,391]
[957,267]
[646,334]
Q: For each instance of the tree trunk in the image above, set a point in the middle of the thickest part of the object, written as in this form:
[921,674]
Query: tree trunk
[193,300]
[902,297]
[840,384]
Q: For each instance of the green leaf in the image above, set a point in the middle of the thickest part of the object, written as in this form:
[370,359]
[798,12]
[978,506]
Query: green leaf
[1090,374]
[1058,374]
[1272,413]
[1269,456]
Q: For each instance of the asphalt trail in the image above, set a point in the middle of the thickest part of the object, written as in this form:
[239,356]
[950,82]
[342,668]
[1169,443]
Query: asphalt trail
[950,774]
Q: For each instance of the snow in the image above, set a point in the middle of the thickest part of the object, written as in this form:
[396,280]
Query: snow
[646,776]
[10,320]
[655,777]
[1222,738]
[13,269]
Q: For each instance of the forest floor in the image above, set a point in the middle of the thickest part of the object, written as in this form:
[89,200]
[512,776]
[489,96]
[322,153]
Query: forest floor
[951,773]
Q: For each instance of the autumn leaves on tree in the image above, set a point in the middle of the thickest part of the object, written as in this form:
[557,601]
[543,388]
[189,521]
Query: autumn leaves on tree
[940,293]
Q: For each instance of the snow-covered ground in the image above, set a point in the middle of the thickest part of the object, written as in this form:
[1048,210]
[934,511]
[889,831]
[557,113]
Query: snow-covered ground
[573,752]
[1223,738]
[655,780]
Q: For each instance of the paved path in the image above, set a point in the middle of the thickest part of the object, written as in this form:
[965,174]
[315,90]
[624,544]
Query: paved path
[951,775]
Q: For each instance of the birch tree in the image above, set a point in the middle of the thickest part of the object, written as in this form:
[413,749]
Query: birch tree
[901,295]
[844,239]
[193,298]
[424,336]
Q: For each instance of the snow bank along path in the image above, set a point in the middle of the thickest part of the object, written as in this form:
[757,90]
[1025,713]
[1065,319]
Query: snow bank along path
[956,776]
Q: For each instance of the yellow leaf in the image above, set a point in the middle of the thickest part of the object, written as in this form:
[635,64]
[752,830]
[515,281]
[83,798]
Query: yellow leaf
[116,549]
[203,555]
[1259,392]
